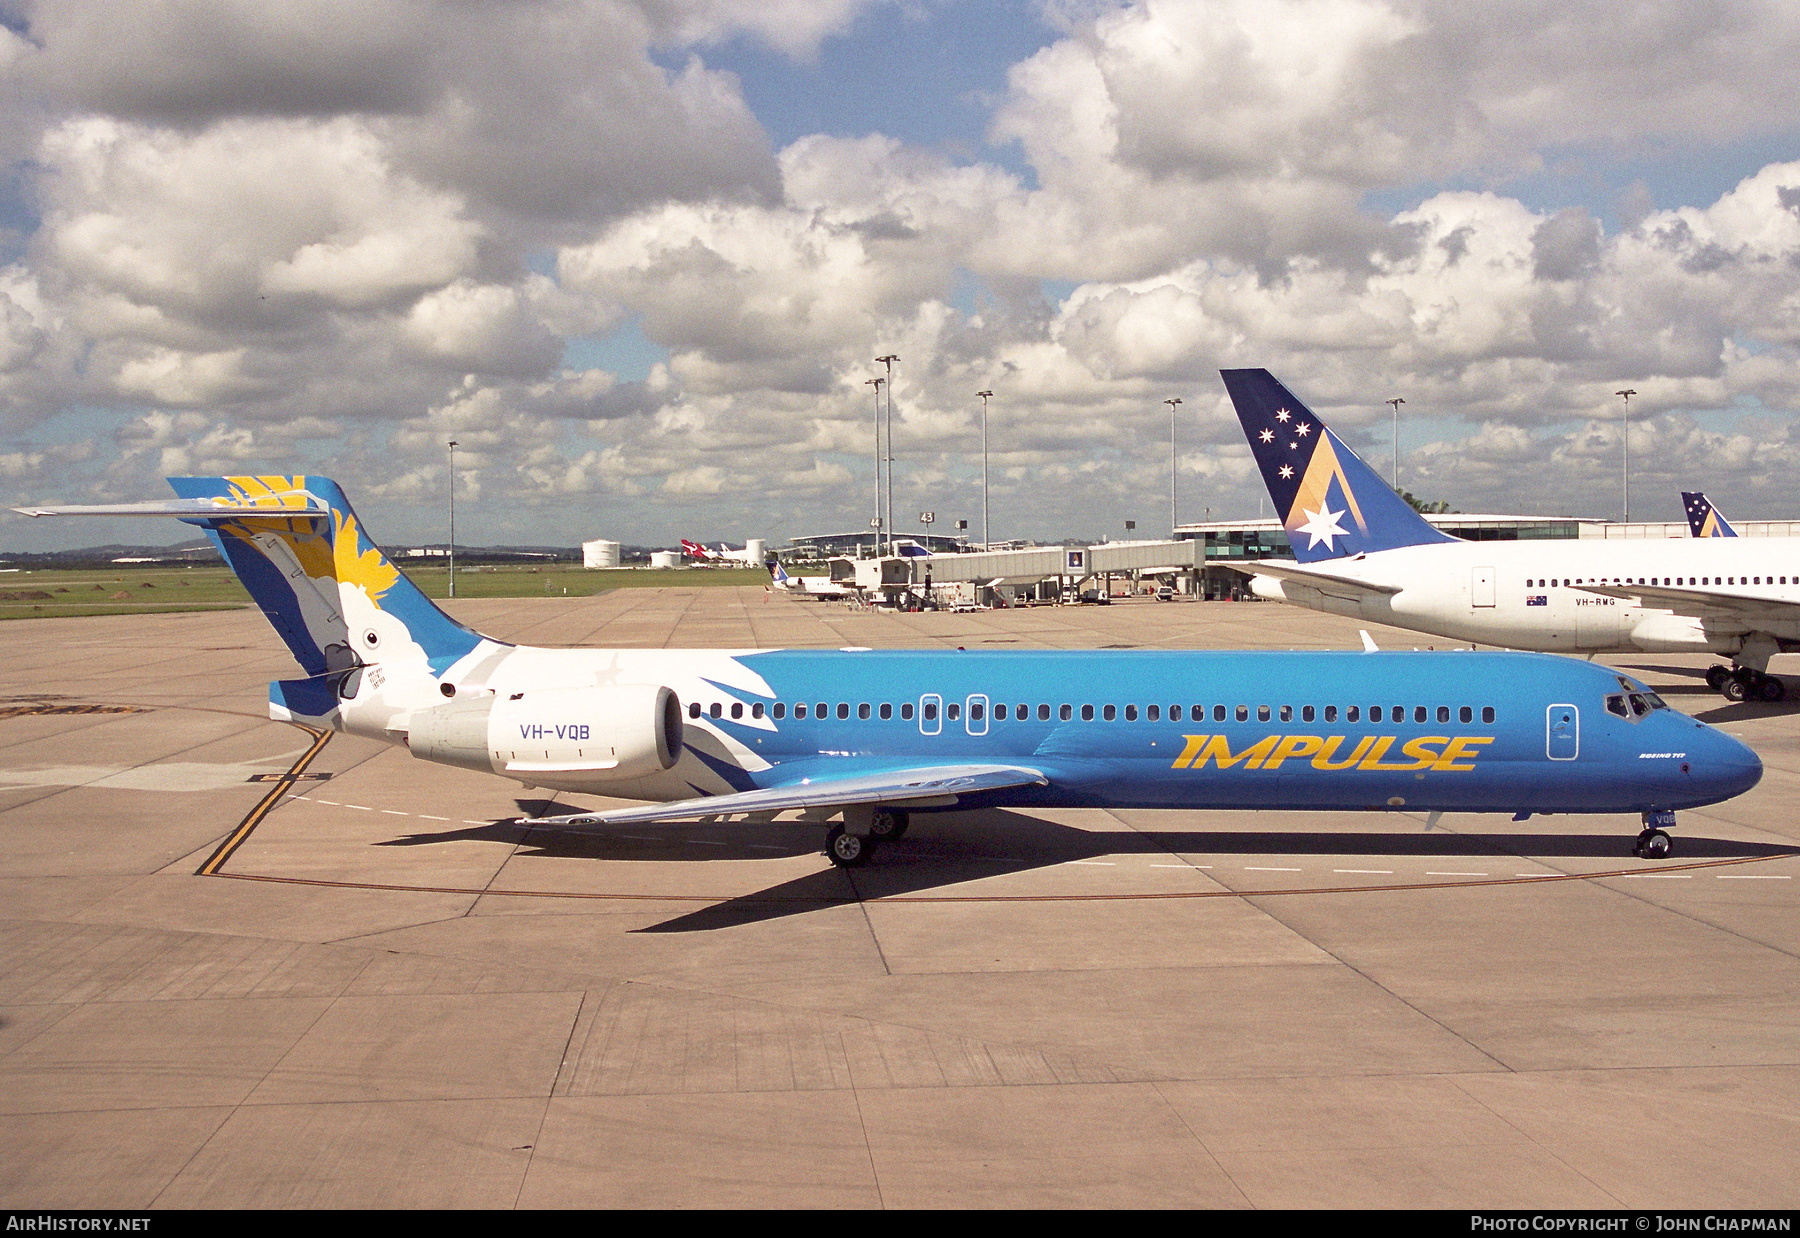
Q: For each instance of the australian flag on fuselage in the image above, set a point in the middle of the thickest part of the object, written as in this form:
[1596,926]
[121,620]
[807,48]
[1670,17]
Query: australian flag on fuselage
[1704,519]
[1329,501]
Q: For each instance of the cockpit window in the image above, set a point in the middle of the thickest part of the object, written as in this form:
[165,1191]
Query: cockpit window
[1640,704]
[1615,704]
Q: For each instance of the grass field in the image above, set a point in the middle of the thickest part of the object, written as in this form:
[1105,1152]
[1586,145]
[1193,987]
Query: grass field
[151,590]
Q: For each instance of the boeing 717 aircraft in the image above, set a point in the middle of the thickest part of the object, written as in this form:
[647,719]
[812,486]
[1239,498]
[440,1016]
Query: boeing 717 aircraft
[1704,520]
[875,736]
[1363,551]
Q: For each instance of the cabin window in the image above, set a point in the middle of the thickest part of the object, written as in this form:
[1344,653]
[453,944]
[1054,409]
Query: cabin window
[953,711]
[1287,713]
[799,709]
[1243,713]
[1418,713]
[779,710]
[1487,713]
[999,712]
[1109,713]
[1331,713]
[1307,713]
[1218,713]
[716,709]
[1465,714]
[737,709]
[1153,713]
[1021,712]
[821,710]
[976,712]
[1131,713]
[1443,713]
[930,711]
[906,711]
[887,711]
[1065,712]
[693,709]
[1374,713]
[862,711]
[1262,713]
[756,710]
[1352,714]
[1087,713]
[1043,713]
[843,709]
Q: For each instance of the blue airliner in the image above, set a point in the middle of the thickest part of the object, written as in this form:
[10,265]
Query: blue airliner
[878,735]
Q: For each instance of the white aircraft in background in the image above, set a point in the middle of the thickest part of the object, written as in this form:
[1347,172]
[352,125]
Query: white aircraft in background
[808,586]
[751,555]
[1363,551]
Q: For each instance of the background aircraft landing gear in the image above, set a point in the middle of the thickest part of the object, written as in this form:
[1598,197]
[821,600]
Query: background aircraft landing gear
[1654,843]
[1744,684]
[848,850]
[1716,675]
[887,824]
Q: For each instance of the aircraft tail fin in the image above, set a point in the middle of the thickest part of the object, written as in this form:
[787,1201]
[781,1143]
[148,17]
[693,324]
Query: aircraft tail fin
[778,574]
[1330,502]
[1704,519]
[334,598]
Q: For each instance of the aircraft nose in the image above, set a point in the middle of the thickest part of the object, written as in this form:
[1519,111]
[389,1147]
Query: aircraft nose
[1722,765]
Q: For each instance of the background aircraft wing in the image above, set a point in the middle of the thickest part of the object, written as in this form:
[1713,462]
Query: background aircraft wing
[1283,570]
[933,785]
[305,508]
[1703,602]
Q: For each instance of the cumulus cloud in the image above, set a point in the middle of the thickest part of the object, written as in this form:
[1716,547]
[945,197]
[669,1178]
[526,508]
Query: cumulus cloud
[338,235]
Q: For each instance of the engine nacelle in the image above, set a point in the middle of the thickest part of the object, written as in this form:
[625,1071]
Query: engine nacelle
[557,735]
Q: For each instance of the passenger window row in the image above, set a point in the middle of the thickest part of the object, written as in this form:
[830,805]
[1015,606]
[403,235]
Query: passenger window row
[1664,580]
[1421,714]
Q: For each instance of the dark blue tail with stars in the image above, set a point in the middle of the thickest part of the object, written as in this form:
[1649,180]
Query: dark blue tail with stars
[1330,502]
[1704,519]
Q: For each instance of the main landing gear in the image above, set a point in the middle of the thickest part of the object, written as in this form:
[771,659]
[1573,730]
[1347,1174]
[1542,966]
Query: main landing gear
[1742,683]
[1654,843]
[853,843]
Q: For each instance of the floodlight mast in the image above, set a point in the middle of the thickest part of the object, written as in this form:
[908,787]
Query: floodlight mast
[1397,401]
[985,540]
[1172,521]
[452,517]
[1625,475]
[887,523]
[878,523]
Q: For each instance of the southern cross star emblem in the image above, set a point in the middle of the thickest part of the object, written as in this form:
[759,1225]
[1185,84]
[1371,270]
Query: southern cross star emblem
[1303,429]
[1267,436]
[1323,526]
[1281,414]
[1287,471]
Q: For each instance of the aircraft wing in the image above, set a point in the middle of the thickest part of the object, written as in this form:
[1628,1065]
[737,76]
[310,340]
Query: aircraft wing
[1282,569]
[1702,602]
[933,785]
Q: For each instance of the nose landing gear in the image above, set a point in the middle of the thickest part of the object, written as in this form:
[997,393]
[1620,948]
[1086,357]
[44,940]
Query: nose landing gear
[1654,843]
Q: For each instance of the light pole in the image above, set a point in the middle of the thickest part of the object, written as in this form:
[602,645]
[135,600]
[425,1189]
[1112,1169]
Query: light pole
[452,517]
[1625,477]
[1396,402]
[888,521]
[877,522]
[1172,522]
[984,469]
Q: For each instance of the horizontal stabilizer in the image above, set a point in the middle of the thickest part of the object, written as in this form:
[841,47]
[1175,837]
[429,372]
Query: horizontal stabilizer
[1283,570]
[286,507]
[938,785]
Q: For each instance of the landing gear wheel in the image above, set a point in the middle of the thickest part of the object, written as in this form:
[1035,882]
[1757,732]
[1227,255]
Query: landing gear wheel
[1716,676]
[1653,845]
[847,850]
[1771,689]
[887,824]
[1736,688]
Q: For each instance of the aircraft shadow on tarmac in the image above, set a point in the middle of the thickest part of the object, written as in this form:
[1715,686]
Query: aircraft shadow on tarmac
[950,849]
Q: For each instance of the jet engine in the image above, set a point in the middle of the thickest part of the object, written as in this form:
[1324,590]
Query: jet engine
[555,735]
